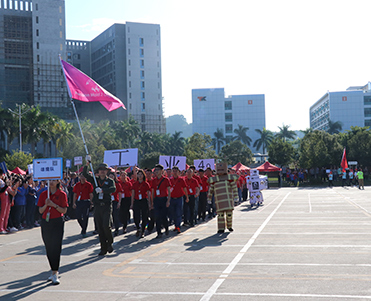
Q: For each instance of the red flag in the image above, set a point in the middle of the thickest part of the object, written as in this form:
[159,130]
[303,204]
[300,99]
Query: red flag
[82,87]
[344,162]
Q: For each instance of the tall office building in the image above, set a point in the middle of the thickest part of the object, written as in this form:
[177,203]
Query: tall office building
[351,107]
[32,36]
[212,110]
[126,61]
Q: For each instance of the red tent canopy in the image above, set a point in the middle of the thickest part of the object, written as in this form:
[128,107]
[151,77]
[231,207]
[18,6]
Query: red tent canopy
[268,167]
[240,166]
[18,171]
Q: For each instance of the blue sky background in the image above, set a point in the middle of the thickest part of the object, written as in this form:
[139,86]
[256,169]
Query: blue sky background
[291,51]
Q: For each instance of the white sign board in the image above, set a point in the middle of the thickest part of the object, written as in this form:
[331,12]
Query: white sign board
[204,163]
[68,163]
[352,163]
[121,157]
[48,169]
[171,161]
[77,161]
[30,168]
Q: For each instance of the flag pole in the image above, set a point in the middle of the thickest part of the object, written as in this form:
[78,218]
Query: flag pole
[83,140]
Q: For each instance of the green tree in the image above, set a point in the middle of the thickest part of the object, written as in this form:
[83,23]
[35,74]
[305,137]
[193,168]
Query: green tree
[218,139]
[280,151]
[18,159]
[235,152]
[241,135]
[176,144]
[265,139]
[318,149]
[334,127]
[199,147]
[62,134]
[359,146]
[285,133]
[8,126]
[149,160]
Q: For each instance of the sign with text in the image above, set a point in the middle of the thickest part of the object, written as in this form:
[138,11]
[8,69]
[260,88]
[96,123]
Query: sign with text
[77,161]
[121,157]
[68,163]
[48,169]
[204,163]
[171,161]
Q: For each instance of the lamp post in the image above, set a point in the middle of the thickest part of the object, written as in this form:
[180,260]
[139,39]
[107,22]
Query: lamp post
[20,123]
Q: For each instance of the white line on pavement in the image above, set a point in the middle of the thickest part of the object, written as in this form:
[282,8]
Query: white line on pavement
[212,290]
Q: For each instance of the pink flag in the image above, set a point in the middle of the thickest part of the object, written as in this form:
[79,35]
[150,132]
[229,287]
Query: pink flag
[82,87]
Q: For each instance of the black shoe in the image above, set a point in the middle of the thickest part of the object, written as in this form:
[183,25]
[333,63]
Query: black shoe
[159,235]
[167,231]
[230,229]
[220,231]
[102,253]
[110,249]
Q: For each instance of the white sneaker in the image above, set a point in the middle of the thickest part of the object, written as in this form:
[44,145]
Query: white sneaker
[13,229]
[3,232]
[55,279]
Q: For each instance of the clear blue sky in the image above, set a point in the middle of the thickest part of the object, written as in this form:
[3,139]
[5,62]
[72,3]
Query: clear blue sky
[291,51]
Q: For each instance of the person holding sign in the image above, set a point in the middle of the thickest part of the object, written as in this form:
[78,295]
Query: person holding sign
[140,195]
[161,199]
[52,208]
[103,187]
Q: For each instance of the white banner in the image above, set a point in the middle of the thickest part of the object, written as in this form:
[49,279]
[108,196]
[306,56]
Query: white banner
[171,161]
[77,161]
[204,163]
[48,169]
[68,163]
[121,157]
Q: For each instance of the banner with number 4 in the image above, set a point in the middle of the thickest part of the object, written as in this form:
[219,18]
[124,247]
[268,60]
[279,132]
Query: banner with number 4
[204,163]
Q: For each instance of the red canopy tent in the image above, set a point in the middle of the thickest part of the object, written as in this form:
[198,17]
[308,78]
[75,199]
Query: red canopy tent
[18,171]
[240,167]
[268,167]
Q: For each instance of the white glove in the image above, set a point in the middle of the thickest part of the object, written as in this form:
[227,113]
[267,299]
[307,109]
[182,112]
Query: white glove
[209,202]
[98,190]
[88,158]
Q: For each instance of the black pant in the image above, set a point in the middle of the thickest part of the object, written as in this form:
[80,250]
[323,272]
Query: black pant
[115,215]
[189,210]
[52,235]
[30,213]
[140,209]
[82,214]
[161,213]
[103,217]
[125,211]
[202,205]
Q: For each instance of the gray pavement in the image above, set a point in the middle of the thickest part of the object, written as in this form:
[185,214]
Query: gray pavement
[303,244]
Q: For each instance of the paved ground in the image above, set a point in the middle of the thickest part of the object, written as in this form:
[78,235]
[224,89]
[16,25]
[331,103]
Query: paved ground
[304,244]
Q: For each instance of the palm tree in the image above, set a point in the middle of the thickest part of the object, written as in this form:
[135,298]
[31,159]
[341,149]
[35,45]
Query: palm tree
[176,144]
[218,139]
[265,139]
[241,135]
[285,133]
[307,131]
[8,123]
[334,127]
[62,134]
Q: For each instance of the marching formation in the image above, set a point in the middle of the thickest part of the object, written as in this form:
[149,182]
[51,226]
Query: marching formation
[155,199]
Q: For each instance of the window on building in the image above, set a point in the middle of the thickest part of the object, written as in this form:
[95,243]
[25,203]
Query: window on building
[130,106]
[129,62]
[228,105]
[368,122]
[37,20]
[37,32]
[129,73]
[141,63]
[36,6]
[143,118]
[228,128]
[367,112]
[129,84]
[367,100]
[228,117]
[141,73]
[142,85]
[143,107]
[38,96]
[141,52]
[143,95]
[38,58]
[128,40]
[141,41]
[37,45]
[129,51]
[130,95]
[143,127]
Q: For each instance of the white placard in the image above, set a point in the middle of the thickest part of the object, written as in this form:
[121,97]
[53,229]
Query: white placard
[352,163]
[77,161]
[121,157]
[68,163]
[30,168]
[48,169]
[204,163]
[171,161]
